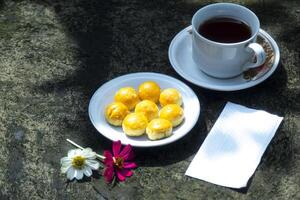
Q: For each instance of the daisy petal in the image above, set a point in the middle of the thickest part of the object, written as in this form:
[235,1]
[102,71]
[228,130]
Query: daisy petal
[88,153]
[74,152]
[87,171]
[79,174]
[129,165]
[71,153]
[65,164]
[125,153]
[71,173]
[78,152]
[109,174]
[116,147]
[65,160]
[92,163]
[65,167]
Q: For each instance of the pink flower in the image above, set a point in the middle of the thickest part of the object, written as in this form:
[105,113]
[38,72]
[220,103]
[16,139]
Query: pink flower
[118,163]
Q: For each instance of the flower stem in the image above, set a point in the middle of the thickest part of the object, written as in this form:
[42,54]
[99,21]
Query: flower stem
[100,157]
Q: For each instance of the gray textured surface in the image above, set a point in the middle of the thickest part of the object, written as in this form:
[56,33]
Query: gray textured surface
[55,54]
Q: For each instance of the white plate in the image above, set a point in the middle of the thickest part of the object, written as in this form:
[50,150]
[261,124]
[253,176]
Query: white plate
[180,56]
[105,95]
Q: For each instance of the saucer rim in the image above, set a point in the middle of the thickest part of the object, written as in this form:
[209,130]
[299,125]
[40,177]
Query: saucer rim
[202,83]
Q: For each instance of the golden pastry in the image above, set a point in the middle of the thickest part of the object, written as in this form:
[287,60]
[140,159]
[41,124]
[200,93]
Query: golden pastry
[170,96]
[149,91]
[158,129]
[128,96]
[173,113]
[135,124]
[115,113]
[148,108]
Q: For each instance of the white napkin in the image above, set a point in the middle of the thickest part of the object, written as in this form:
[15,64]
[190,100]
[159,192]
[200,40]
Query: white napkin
[234,147]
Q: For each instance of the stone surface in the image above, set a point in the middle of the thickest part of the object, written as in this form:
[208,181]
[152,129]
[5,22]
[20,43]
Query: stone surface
[55,54]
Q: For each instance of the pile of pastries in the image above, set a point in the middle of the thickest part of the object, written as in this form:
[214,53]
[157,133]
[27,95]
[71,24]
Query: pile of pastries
[146,111]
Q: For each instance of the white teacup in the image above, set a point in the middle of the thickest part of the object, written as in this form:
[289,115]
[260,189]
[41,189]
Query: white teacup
[226,60]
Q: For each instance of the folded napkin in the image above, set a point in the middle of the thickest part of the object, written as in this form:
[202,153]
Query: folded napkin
[234,147]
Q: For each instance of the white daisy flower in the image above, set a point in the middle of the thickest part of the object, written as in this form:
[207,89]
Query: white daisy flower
[79,162]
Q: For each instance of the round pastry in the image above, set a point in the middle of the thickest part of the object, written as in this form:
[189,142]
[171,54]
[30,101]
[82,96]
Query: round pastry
[135,124]
[148,108]
[128,96]
[173,113]
[115,113]
[149,91]
[170,96]
[158,129]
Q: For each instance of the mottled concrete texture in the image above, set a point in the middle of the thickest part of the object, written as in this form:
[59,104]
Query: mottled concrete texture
[55,54]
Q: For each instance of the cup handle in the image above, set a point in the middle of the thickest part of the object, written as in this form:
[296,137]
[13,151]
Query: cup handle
[259,54]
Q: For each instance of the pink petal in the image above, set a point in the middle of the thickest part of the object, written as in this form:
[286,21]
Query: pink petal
[116,147]
[108,161]
[130,156]
[129,165]
[120,176]
[107,155]
[125,172]
[125,153]
[109,174]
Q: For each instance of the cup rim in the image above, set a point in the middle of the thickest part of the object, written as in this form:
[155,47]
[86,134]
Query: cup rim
[220,43]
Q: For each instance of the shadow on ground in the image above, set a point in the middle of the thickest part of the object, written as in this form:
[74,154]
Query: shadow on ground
[102,32]
[119,37]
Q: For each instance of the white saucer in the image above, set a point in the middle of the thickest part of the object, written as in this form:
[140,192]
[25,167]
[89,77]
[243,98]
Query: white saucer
[180,56]
[105,95]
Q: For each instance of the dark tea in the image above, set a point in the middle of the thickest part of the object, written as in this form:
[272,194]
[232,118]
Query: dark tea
[225,30]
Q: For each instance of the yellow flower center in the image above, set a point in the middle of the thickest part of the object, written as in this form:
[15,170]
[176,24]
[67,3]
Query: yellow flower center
[78,162]
[119,162]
